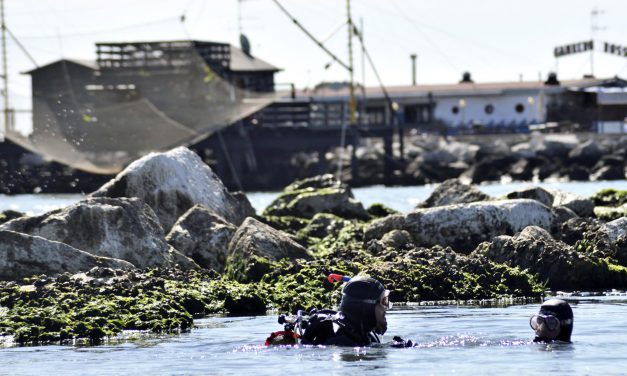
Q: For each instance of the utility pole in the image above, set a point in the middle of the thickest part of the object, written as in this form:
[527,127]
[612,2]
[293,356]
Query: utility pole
[362,109]
[5,76]
[352,105]
[594,27]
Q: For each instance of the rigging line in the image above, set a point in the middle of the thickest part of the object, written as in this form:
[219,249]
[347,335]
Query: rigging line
[374,69]
[461,38]
[333,32]
[295,21]
[21,46]
[101,31]
[434,45]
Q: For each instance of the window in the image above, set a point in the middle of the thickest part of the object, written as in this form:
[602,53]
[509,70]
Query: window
[489,109]
[519,108]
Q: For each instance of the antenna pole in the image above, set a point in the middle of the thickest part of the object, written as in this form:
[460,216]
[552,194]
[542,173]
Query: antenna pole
[239,16]
[594,27]
[5,76]
[352,105]
[363,72]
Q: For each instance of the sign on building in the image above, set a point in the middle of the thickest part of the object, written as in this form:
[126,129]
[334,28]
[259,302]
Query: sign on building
[615,49]
[573,48]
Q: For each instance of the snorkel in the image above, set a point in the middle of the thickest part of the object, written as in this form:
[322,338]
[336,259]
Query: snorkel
[335,278]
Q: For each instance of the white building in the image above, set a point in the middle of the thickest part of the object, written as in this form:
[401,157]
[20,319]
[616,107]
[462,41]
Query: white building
[511,106]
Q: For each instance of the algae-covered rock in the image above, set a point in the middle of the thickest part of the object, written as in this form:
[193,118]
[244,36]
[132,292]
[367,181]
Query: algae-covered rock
[610,204]
[102,303]
[289,224]
[609,213]
[321,194]
[397,239]
[464,226]
[253,248]
[378,210]
[120,228]
[610,197]
[323,225]
[451,192]
[379,227]
[574,229]
[202,235]
[555,262]
[23,255]
[173,182]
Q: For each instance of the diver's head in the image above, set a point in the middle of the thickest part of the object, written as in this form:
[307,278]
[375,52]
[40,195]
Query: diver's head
[365,301]
[553,322]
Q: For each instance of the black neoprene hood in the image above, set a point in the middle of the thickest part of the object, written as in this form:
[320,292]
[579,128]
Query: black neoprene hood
[362,289]
[564,313]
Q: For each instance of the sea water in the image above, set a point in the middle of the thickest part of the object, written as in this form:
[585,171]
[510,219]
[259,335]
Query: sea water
[449,339]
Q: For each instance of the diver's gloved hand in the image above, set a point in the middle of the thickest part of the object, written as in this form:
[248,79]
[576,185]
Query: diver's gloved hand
[398,342]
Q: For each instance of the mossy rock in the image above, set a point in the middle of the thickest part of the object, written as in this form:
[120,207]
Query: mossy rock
[321,194]
[610,213]
[378,210]
[289,224]
[610,197]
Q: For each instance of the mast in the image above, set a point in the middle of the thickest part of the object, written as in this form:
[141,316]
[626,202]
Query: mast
[5,76]
[352,105]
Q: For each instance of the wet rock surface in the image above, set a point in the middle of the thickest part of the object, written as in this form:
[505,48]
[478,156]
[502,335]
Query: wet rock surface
[23,255]
[171,183]
[120,228]
[254,246]
[464,226]
[202,235]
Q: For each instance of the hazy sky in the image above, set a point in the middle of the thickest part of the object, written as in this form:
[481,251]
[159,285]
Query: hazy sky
[496,40]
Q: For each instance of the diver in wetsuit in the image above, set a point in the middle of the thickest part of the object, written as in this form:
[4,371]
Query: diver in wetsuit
[359,321]
[554,322]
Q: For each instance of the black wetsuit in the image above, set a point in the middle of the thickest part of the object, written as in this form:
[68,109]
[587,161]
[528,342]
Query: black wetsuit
[333,328]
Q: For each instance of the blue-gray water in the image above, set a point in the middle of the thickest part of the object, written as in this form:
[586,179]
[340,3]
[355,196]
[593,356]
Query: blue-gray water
[450,339]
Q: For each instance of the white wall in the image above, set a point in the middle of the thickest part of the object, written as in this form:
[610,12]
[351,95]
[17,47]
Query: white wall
[504,109]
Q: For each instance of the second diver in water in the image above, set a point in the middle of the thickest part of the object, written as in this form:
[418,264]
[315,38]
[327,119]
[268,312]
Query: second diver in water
[554,322]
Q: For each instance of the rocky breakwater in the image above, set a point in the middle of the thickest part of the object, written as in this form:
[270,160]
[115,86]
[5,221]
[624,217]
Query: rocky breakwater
[483,158]
[155,248]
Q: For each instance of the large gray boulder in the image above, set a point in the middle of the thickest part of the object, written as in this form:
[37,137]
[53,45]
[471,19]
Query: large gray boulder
[203,236]
[120,228]
[582,206]
[254,246]
[615,230]
[173,182]
[23,255]
[451,192]
[463,226]
[377,228]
